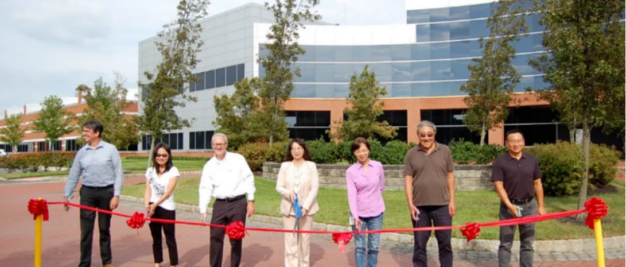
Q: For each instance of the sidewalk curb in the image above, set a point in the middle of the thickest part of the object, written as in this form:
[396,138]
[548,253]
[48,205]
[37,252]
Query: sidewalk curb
[543,246]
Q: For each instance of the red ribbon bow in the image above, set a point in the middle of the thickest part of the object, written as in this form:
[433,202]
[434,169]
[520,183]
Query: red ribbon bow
[342,239]
[597,210]
[136,221]
[470,230]
[38,207]
[236,230]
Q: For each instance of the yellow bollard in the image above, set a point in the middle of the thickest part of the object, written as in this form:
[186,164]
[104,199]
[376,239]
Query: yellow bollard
[38,226]
[597,228]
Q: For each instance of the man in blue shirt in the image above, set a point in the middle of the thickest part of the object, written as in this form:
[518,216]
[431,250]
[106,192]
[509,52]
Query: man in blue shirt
[100,165]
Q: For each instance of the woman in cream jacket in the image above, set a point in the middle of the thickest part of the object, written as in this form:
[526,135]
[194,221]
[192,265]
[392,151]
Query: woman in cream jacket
[298,177]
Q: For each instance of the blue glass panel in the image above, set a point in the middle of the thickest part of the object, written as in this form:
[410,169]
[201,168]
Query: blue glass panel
[400,52]
[231,75]
[362,53]
[341,90]
[209,79]
[358,68]
[420,71]
[480,11]
[439,50]
[440,32]
[383,71]
[261,72]
[525,44]
[324,91]
[459,30]
[200,81]
[420,51]
[400,90]
[478,28]
[440,70]
[537,39]
[417,16]
[533,23]
[474,49]
[459,69]
[520,63]
[343,72]
[438,89]
[440,14]
[421,89]
[525,82]
[263,51]
[324,53]
[401,72]
[309,54]
[324,72]
[307,72]
[303,90]
[343,53]
[240,72]
[539,84]
[460,49]
[381,53]
[220,77]
[454,88]
[422,33]
[459,13]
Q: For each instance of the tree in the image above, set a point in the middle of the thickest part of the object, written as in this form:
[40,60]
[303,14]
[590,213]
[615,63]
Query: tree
[53,119]
[234,113]
[362,116]
[12,134]
[106,105]
[584,65]
[492,77]
[283,50]
[178,43]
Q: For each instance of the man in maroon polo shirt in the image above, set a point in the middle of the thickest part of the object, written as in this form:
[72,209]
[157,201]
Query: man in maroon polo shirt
[517,178]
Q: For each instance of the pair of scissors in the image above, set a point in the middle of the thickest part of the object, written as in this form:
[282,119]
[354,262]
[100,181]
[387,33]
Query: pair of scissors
[298,210]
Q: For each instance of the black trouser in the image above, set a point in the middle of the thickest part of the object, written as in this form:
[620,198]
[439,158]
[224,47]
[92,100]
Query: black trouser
[429,216]
[98,197]
[169,230]
[225,212]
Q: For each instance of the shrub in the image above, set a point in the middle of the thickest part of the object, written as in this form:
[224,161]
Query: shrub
[254,154]
[276,152]
[561,167]
[343,151]
[32,161]
[323,152]
[465,152]
[174,158]
[394,152]
[602,161]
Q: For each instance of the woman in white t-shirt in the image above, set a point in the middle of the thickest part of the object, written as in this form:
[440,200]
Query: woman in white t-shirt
[159,200]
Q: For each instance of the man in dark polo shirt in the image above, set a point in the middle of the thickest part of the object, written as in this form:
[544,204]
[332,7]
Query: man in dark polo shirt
[429,188]
[517,179]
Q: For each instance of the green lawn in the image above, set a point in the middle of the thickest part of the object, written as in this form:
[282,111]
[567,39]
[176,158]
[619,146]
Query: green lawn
[133,165]
[472,206]
[140,165]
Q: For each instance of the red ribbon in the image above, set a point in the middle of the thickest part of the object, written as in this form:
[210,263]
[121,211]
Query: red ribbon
[236,230]
[136,221]
[342,239]
[38,207]
[597,210]
[471,231]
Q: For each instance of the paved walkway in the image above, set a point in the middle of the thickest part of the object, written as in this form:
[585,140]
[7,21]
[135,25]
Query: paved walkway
[133,248]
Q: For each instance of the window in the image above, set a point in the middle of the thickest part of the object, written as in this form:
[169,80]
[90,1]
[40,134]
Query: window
[308,125]
[200,140]
[43,146]
[24,147]
[231,75]
[240,72]
[220,77]
[450,125]
[173,140]
[395,118]
[56,145]
[200,81]
[6,148]
[209,79]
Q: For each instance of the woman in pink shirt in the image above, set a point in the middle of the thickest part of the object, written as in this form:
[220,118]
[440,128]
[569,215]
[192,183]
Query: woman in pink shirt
[366,182]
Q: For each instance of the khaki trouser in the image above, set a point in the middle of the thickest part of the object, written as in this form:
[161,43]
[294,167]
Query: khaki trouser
[297,256]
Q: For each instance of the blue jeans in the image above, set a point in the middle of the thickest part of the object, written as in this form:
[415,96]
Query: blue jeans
[372,223]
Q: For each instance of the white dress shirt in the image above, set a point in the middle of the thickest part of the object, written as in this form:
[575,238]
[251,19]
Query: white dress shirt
[226,178]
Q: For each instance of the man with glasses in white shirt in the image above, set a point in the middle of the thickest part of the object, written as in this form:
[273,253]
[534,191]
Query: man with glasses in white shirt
[228,178]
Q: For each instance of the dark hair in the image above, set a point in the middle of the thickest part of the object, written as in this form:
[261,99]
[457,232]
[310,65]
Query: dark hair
[305,156]
[513,131]
[94,125]
[168,164]
[357,144]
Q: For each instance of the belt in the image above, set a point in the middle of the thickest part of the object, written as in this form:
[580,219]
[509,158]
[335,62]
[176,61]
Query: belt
[231,199]
[98,187]
[521,201]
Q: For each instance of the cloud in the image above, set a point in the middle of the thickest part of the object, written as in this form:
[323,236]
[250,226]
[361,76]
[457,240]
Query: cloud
[51,46]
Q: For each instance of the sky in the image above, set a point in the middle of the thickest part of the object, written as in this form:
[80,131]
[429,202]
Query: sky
[49,47]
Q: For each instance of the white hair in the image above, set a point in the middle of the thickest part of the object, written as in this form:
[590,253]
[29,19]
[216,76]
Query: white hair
[219,134]
[425,123]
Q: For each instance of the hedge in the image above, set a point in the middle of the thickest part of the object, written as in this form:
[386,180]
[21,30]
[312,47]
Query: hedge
[32,161]
[173,158]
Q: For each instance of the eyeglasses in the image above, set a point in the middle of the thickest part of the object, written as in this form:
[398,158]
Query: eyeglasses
[162,155]
[424,135]
[219,144]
